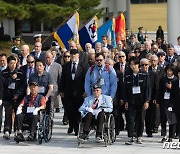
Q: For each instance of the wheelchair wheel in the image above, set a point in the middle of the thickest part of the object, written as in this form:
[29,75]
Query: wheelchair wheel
[105,134]
[47,128]
[111,129]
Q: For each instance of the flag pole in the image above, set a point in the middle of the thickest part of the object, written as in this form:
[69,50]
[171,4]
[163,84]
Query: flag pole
[59,26]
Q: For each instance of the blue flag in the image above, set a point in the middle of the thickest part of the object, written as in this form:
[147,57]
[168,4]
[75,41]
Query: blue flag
[88,34]
[108,29]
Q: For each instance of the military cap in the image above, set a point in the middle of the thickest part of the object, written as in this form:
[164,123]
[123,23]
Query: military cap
[96,86]
[34,83]
[73,51]
[17,38]
[37,35]
[140,28]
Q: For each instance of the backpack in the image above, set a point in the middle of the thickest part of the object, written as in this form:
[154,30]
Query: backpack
[106,65]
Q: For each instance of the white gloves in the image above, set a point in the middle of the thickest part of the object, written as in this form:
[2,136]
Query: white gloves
[36,111]
[0,102]
[89,109]
[19,110]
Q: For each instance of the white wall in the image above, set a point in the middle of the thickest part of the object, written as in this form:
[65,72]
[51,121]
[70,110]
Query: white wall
[9,27]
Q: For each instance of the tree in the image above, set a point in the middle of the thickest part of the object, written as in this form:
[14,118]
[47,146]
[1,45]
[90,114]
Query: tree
[48,10]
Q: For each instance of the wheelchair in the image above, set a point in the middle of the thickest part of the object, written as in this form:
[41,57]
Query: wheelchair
[44,128]
[108,132]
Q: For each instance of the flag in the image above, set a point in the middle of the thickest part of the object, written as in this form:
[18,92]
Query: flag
[88,33]
[108,29]
[120,29]
[68,31]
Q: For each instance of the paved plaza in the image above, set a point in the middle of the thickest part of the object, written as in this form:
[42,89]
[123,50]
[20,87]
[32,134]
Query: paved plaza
[62,143]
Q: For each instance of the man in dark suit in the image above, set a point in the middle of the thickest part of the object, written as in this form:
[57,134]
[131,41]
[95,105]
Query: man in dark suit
[171,56]
[1,95]
[105,43]
[24,54]
[133,43]
[29,68]
[122,65]
[149,114]
[38,53]
[161,59]
[71,88]
[159,73]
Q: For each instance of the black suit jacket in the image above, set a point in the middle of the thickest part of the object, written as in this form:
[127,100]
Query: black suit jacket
[1,86]
[127,68]
[73,88]
[159,74]
[175,96]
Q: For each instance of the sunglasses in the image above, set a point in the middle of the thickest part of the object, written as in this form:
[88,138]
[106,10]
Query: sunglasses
[144,64]
[30,62]
[99,60]
[66,56]
[121,56]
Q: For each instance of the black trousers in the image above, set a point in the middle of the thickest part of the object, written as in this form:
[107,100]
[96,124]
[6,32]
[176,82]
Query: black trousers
[1,115]
[118,111]
[65,117]
[32,119]
[150,118]
[135,115]
[178,124]
[72,105]
[172,127]
[89,119]
[9,106]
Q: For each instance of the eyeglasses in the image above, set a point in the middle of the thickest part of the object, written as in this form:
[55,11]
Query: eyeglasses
[153,60]
[161,55]
[121,56]
[66,56]
[144,64]
[30,62]
[132,38]
[37,46]
[99,60]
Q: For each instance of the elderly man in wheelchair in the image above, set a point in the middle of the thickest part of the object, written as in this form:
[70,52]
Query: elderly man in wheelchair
[93,110]
[29,110]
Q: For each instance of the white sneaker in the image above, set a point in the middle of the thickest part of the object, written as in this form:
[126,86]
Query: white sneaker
[6,135]
[139,140]
[130,141]
[99,139]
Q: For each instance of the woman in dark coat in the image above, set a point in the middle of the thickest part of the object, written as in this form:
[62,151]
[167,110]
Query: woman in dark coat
[166,111]
[175,96]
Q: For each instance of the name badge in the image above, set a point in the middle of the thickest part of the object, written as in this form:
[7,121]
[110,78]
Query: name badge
[12,86]
[102,82]
[41,89]
[166,95]
[30,109]
[169,108]
[136,90]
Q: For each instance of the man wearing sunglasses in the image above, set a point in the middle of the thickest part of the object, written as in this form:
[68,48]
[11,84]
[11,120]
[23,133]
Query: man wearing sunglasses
[101,74]
[29,68]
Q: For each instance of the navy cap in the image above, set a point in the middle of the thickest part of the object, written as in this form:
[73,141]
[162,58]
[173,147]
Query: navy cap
[34,83]
[73,51]
[96,86]
[161,52]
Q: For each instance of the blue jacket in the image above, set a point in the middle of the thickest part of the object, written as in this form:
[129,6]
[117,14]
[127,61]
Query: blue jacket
[110,81]
[104,101]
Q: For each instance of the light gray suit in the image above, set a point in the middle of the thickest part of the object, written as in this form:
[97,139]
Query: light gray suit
[55,71]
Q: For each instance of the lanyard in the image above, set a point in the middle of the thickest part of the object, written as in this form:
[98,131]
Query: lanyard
[137,79]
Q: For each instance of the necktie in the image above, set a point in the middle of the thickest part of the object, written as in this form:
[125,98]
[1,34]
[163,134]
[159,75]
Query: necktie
[169,60]
[99,76]
[30,71]
[122,68]
[74,68]
[95,104]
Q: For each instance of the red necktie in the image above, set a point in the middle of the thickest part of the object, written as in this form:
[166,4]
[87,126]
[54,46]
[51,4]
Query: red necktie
[95,104]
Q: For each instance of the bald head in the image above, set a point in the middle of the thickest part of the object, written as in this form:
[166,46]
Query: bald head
[25,50]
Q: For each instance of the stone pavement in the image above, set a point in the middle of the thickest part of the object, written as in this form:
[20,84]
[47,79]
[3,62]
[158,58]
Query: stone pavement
[62,143]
